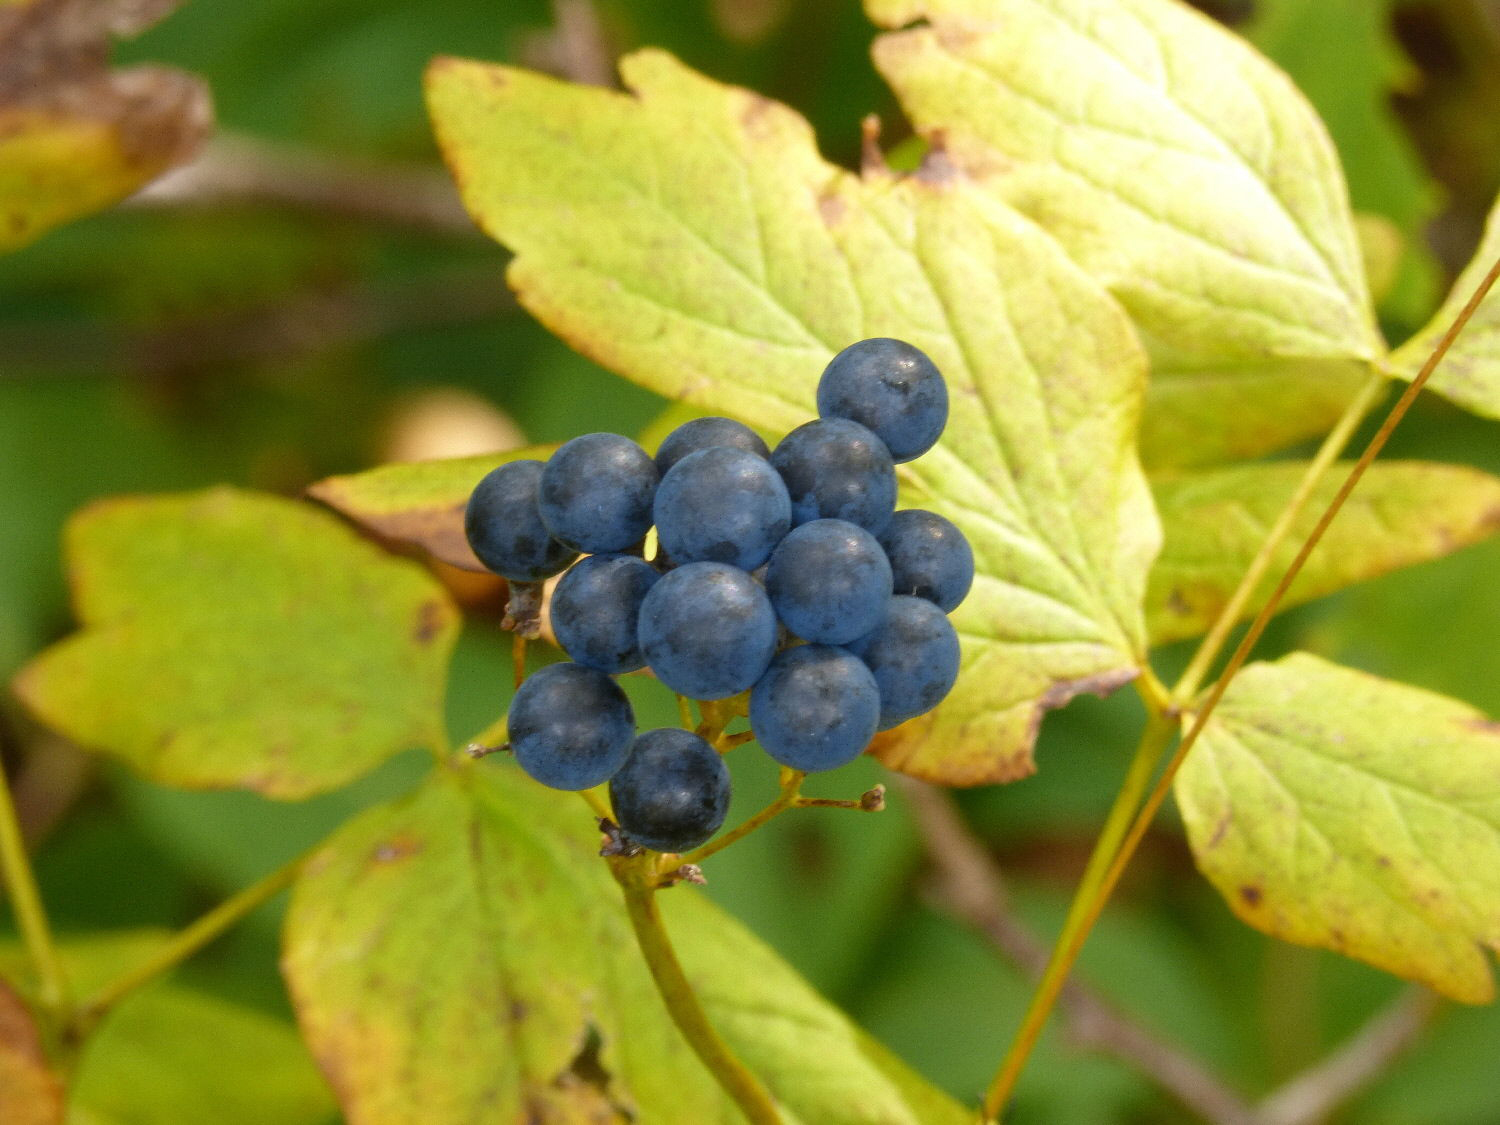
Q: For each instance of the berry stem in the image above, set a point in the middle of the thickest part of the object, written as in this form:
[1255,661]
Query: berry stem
[31,915]
[637,882]
[791,789]
[518,658]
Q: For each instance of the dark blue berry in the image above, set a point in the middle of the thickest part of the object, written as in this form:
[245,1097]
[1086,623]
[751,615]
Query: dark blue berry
[672,792]
[722,505]
[837,469]
[596,493]
[505,529]
[930,558]
[596,608]
[570,726]
[829,581]
[705,433]
[816,708]
[890,387]
[708,630]
[914,657]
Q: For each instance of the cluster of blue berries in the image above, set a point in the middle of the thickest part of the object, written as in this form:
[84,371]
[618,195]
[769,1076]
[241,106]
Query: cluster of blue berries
[786,573]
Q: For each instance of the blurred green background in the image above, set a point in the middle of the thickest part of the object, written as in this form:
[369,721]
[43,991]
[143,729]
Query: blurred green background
[274,342]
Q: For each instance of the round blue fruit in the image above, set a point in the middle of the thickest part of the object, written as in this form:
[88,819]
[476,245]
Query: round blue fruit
[816,708]
[708,630]
[706,433]
[722,505]
[913,655]
[930,558]
[829,581]
[672,792]
[891,388]
[837,469]
[505,528]
[596,609]
[570,726]
[596,493]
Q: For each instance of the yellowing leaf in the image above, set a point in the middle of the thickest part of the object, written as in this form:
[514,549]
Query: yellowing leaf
[1470,373]
[691,238]
[1336,809]
[463,956]
[420,502]
[30,1094]
[1176,165]
[1402,513]
[236,639]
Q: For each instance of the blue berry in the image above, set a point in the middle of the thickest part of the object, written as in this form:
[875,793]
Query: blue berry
[837,469]
[722,505]
[596,608]
[596,493]
[570,726]
[816,708]
[705,433]
[914,657]
[930,558]
[672,792]
[829,581]
[505,529]
[890,387]
[708,630]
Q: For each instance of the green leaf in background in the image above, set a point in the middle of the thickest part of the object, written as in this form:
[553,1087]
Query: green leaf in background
[237,639]
[1179,168]
[1470,373]
[421,502]
[76,137]
[30,1094]
[463,956]
[1402,513]
[1337,809]
[691,238]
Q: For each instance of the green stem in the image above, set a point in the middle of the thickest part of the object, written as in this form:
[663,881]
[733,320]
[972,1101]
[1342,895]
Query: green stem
[1213,644]
[31,915]
[682,1003]
[1160,728]
[185,943]
[790,795]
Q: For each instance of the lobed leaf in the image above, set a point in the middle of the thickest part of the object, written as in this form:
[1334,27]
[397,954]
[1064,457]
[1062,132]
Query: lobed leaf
[421,503]
[236,639]
[1402,513]
[1177,166]
[463,956]
[30,1093]
[1470,373]
[1333,808]
[689,236]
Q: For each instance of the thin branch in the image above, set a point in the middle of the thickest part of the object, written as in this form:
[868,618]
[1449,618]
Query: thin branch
[1312,1095]
[972,888]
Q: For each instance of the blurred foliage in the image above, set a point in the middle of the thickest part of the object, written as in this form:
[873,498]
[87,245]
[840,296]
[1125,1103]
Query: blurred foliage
[172,348]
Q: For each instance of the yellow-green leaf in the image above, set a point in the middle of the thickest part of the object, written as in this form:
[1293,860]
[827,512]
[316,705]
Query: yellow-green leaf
[1180,168]
[1402,513]
[236,639]
[689,236]
[1337,809]
[419,502]
[1470,373]
[30,1093]
[463,956]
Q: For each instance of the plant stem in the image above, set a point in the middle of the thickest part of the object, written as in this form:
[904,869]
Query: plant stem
[1091,899]
[185,943]
[31,915]
[682,1003]
[791,788]
[1154,740]
[1211,645]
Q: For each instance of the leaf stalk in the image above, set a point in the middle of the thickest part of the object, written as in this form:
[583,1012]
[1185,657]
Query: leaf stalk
[31,915]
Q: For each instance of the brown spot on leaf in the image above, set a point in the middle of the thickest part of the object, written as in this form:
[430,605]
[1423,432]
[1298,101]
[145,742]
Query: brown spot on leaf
[1251,895]
[1482,725]
[399,847]
[831,209]
[937,168]
[1220,829]
[430,621]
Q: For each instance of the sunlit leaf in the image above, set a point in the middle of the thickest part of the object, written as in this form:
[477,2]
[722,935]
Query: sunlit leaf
[1337,809]
[1402,513]
[463,956]
[691,238]
[1177,166]
[30,1093]
[235,639]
